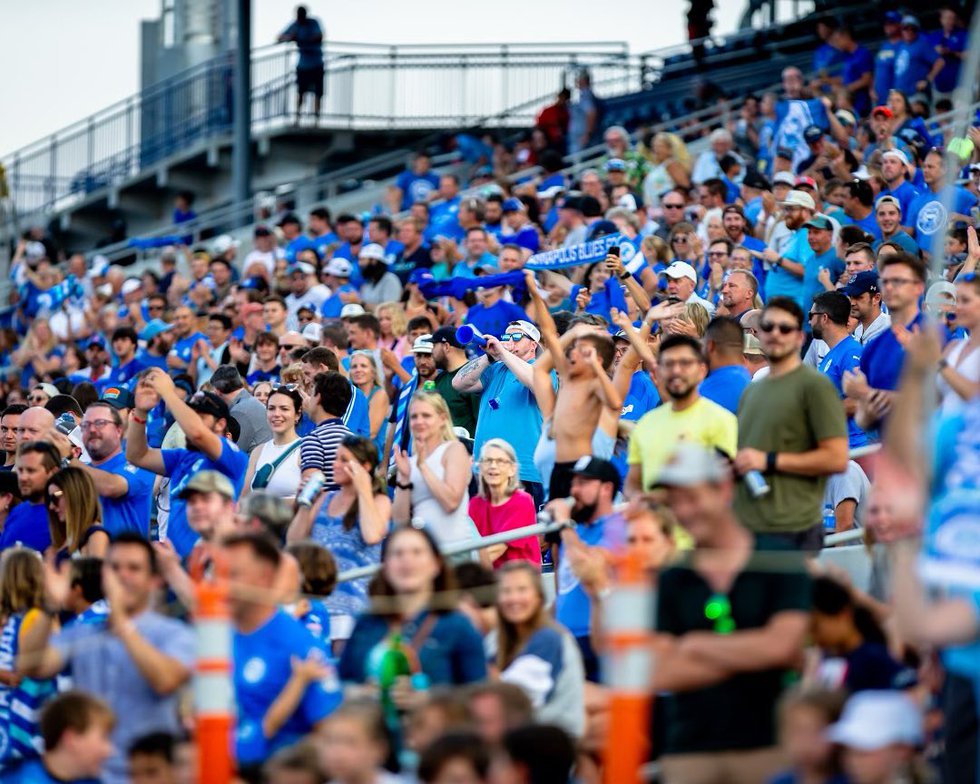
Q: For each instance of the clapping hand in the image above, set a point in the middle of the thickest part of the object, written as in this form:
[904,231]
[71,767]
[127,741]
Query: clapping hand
[582,299]
[855,384]
[403,464]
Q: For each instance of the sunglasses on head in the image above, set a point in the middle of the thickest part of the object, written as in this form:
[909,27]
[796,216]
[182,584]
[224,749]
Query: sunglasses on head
[784,329]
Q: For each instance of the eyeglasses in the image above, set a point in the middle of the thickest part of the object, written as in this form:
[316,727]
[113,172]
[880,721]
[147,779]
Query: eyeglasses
[492,461]
[673,206]
[813,313]
[718,610]
[679,239]
[716,254]
[154,307]
[784,329]
[290,387]
[679,363]
[897,281]
[55,495]
[96,424]
[513,337]
[37,398]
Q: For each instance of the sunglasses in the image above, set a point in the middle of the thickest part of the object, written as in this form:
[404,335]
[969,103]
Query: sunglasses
[784,329]
[37,398]
[512,336]
[673,206]
[718,610]
[55,495]
[289,387]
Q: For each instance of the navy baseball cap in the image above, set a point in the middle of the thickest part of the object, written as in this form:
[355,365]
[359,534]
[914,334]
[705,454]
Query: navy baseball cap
[512,205]
[813,133]
[893,17]
[597,468]
[601,228]
[118,397]
[862,283]
[446,335]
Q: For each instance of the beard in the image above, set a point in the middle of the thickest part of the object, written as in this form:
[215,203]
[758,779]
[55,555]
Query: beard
[374,271]
[678,394]
[582,513]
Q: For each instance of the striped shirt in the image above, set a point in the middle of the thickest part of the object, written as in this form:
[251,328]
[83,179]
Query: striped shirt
[319,448]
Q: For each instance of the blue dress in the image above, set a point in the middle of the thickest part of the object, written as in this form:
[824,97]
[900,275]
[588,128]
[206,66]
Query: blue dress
[350,551]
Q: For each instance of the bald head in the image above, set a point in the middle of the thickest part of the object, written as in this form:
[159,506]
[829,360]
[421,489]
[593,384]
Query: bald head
[35,424]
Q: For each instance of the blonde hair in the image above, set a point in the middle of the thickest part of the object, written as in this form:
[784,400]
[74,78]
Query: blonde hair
[82,508]
[513,483]
[678,150]
[659,247]
[399,321]
[697,314]
[292,374]
[21,581]
[379,376]
[438,403]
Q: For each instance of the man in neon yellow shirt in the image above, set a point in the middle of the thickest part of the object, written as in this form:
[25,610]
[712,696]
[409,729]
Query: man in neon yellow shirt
[687,417]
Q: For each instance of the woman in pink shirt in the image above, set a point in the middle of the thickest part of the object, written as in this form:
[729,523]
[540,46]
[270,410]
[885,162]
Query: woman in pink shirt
[503,506]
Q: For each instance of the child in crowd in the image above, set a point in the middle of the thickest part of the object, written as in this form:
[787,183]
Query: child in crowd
[804,716]
[154,759]
[76,729]
[318,578]
[296,764]
[455,758]
[355,745]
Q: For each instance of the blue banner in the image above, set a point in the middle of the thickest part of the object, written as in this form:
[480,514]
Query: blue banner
[586,253]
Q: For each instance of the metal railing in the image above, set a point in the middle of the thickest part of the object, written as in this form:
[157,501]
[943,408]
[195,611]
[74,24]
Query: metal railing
[367,87]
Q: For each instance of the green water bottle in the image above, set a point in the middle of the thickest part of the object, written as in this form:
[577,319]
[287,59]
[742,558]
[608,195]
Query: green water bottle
[394,664]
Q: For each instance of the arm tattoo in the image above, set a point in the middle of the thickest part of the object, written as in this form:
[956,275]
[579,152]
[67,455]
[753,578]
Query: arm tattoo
[472,368]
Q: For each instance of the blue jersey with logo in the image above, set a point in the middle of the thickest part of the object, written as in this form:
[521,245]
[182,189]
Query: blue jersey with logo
[262,662]
[125,375]
[131,510]
[905,193]
[845,356]
[912,64]
[927,215]
[183,464]
[416,187]
[182,348]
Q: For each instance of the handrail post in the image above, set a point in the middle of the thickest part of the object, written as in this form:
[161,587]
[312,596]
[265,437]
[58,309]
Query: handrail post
[392,74]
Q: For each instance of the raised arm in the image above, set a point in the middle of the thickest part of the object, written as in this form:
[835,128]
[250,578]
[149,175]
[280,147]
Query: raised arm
[138,451]
[198,435]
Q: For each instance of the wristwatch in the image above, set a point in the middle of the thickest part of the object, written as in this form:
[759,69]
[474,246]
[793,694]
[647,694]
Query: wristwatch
[942,364]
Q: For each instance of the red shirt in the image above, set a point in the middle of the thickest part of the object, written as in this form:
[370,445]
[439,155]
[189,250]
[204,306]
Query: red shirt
[516,512]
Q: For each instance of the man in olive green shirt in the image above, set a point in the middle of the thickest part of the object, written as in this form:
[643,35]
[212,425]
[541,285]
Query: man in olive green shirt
[792,429]
[449,356]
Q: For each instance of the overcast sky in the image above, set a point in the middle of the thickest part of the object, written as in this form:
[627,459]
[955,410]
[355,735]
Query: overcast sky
[88,56]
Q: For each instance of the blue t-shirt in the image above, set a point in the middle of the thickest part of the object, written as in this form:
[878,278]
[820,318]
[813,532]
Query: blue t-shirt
[309,40]
[125,375]
[845,356]
[905,193]
[827,57]
[509,411]
[780,281]
[867,223]
[334,304]
[857,64]
[725,386]
[182,464]
[573,606]
[792,118]
[811,281]
[526,237]
[416,187]
[641,398]
[27,523]
[358,414]
[34,772]
[494,319]
[883,357]
[257,376]
[148,360]
[928,215]
[949,74]
[912,63]
[182,348]
[324,241]
[297,246]
[885,69]
[262,669]
[131,511]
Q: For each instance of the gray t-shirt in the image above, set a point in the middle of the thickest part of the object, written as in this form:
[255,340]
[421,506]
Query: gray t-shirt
[852,484]
[101,665]
[253,421]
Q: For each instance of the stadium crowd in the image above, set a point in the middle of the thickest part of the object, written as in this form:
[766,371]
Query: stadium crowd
[685,361]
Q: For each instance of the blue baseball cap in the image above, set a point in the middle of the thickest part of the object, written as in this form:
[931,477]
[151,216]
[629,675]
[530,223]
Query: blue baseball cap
[512,205]
[153,328]
[862,283]
[420,276]
[615,164]
[893,17]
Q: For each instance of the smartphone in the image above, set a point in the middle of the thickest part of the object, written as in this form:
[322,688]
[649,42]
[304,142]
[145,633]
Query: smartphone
[612,251]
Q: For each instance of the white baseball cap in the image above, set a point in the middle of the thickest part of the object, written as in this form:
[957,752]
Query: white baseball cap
[339,268]
[875,719]
[372,251]
[422,345]
[352,309]
[313,332]
[302,266]
[527,328]
[799,199]
[129,286]
[681,269]
[784,178]
[896,154]
[223,243]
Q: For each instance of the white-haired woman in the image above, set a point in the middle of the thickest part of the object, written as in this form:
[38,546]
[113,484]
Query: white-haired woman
[366,374]
[503,506]
[670,168]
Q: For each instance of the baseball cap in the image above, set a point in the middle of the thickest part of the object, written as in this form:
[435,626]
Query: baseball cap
[942,291]
[893,17]
[601,228]
[153,328]
[209,482]
[512,205]
[48,389]
[372,251]
[692,464]
[446,335]
[208,403]
[620,334]
[806,182]
[615,164]
[784,152]
[262,231]
[813,133]
[754,179]
[784,178]
[752,346]
[845,117]
[339,268]
[221,244]
[597,468]
[911,21]
[819,222]
[422,345]
[681,269]
[888,200]
[527,328]
[874,719]
[883,110]
[129,286]
[421,275]
[798,199]
[571,203]
[302,266]
[292,339]
[313,332]
[862,283]
[118,397]
[899,154]
[352,309]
